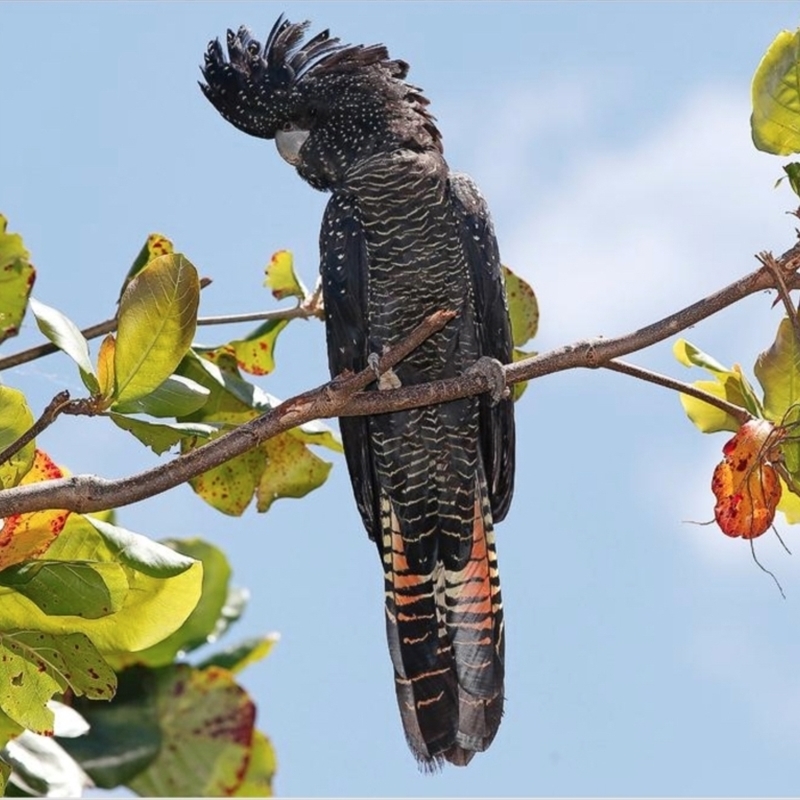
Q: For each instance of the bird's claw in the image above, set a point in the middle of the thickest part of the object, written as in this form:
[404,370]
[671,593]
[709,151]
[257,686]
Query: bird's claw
[373,361]
[386,380]
[492,369]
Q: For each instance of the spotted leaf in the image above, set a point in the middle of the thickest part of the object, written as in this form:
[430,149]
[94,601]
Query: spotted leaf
[281,277]
[24,536]
[35,665]
[16,281]
[745,483]
[206,723]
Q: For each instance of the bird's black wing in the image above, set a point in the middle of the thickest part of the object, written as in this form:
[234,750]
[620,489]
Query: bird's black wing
[343,267]
[494,335]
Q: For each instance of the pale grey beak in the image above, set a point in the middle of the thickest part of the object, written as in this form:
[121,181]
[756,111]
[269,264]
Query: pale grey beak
[289,144]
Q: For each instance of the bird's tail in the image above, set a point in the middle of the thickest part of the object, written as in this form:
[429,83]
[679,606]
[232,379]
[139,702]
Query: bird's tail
[446,639]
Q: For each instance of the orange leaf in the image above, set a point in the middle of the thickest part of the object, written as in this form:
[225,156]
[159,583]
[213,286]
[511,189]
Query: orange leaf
[24,536]
[105,366]
[745,484]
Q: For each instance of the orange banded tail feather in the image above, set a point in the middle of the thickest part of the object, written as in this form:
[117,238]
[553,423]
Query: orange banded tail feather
[446,640]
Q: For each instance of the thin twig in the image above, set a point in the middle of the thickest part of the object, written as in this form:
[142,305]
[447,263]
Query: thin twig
[41,350]
[54,408]
[768,260]
[740,414]
[110,325]
[84,493]
[296,312]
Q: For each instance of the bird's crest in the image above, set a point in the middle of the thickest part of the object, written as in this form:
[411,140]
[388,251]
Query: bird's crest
[256,88]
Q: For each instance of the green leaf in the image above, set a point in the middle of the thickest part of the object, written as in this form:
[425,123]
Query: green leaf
[157,320]
[523,308]
[66,335]
[153,608]
[15,419]
[281,467]
[230,487]
[775,121]
[790,503]
[177,396]
[8,729]
[155,246]
[230,393]
[242,655]
[203,624]
[141,553]
[793,174]
[708,418]
[281,277]
[778,372]
[206,723]
[5,772]
[124,735]
[314,432]
[255,353]
[518,389]
[35,665]
[691,356]
[17,276]
[291,470]
[160,437]
[61,588]
[728,384]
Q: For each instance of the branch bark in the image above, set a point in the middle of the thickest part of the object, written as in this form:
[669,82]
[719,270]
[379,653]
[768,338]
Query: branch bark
[342,397]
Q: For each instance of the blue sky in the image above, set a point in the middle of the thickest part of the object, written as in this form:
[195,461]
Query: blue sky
[646,654]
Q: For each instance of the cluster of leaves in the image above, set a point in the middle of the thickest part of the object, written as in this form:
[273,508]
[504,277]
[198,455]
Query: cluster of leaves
[92,611]
[760,471]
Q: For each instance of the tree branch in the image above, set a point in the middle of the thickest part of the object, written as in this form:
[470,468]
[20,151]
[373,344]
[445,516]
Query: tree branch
[738,413]
[305,310]
[84,493]
[54,408]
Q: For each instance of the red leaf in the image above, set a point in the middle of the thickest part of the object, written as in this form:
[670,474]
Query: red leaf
[745,484]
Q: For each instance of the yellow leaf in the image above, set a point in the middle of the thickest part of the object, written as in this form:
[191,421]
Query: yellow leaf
[152,609]
[281,277]
[775,121]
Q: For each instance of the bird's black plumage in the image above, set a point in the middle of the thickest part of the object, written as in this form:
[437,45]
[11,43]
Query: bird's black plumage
[402,237]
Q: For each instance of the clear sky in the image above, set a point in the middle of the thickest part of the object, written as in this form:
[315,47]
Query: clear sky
[646,655]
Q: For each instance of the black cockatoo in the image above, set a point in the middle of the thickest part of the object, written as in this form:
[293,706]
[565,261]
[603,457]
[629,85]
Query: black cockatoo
[401,237]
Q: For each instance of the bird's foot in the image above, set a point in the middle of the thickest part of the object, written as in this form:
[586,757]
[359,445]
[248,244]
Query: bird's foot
[493,371]
[386,380]
[373,361]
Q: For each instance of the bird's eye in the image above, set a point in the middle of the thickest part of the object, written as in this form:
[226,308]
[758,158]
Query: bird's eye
[287,126]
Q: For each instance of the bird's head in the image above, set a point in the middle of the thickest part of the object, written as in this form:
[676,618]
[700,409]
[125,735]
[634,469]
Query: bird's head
[327,105]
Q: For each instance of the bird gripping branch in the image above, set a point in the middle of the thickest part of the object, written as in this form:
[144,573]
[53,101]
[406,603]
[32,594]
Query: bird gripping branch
[401,237]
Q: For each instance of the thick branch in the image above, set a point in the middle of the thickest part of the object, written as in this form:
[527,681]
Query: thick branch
[84,493]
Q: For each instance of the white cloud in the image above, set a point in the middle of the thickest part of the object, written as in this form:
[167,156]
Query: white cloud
[633,232]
